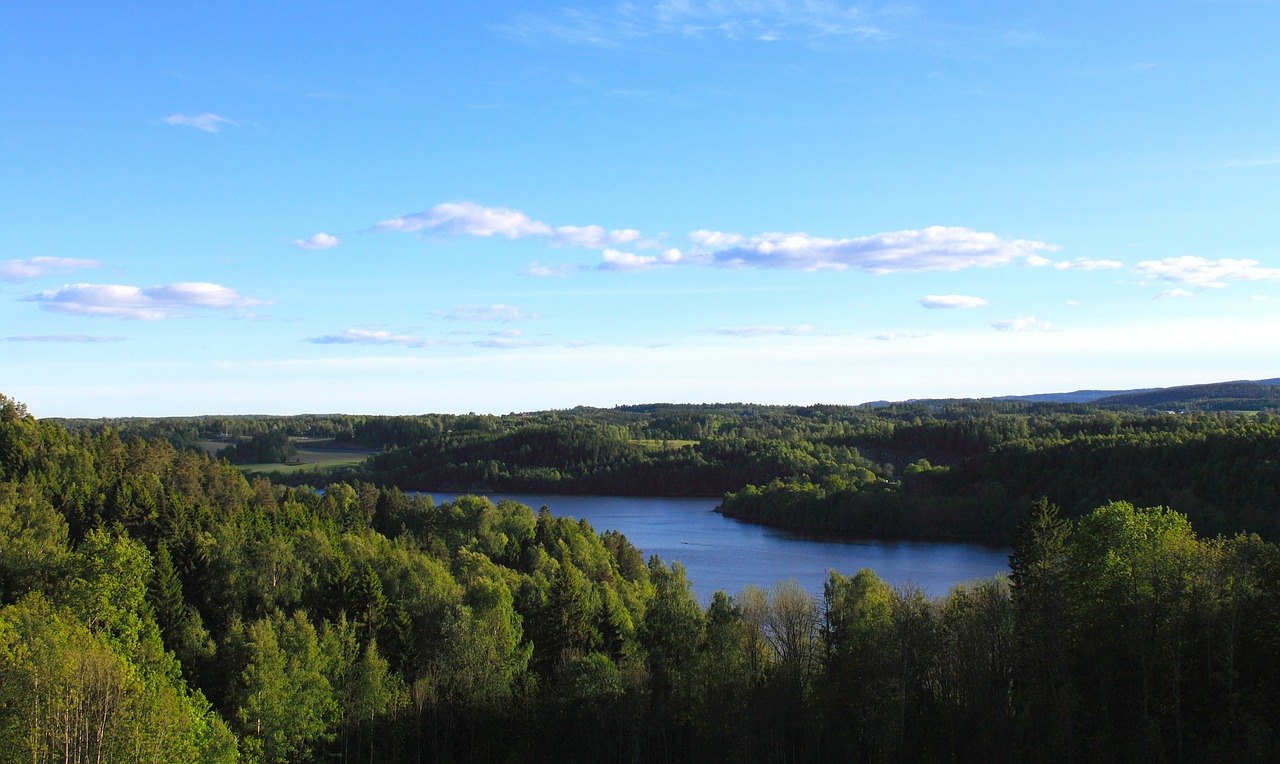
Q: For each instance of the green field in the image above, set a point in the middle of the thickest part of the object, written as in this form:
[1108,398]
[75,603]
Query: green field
[311,460]
[662,445]
[212,447]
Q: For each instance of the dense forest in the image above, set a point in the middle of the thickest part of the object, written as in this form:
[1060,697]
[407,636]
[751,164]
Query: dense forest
[156,605]
[947,469]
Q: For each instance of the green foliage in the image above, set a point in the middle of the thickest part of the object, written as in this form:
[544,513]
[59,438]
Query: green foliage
[33,541]
[70,693]
[207,618]
[1219,471]
[1220,396]
[287,706]
[960,469]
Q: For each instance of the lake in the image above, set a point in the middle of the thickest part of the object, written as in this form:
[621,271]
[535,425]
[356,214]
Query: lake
[721,553]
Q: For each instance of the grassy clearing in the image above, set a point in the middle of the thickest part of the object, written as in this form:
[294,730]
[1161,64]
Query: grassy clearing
[665,445]
[310,459]
[213,447]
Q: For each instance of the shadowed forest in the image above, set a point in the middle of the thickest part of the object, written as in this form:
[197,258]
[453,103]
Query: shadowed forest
[158,605]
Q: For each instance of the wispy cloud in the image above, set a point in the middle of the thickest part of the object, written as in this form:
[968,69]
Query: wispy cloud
[209,123]
[506,339]
[893,336]
[466,218]
[507,333]
[1262,160]
[506,343]
[1173,294]
[1085,264]
[1202,272]
[559,270]
[1022,324]
[935,248]
[760,331]
[181,300]
[496,312]
[616,260]
[951,301]
[320,240]
[714,240]
[470,219]
[592,236]
[373,337]
[498,340]
[813,22]
[946,248]
[35,267]
[75,338]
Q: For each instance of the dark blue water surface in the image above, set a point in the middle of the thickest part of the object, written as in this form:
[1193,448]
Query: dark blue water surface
[720,553]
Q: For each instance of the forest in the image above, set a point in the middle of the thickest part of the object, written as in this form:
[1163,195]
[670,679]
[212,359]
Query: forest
[945,469]
[157,605]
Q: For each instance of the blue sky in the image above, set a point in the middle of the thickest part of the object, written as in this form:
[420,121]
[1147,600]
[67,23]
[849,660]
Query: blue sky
[492,207]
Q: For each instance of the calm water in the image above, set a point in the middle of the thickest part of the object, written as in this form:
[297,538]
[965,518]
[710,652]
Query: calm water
[720,553]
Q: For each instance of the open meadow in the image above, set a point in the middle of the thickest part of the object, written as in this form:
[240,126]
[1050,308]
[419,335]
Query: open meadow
[313,454]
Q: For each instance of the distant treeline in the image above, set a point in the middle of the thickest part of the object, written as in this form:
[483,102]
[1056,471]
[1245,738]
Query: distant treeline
[1222,472]
[269,447]
[157,606]
[932,469]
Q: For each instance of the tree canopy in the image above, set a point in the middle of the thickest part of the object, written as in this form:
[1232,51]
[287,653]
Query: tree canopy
[157,605]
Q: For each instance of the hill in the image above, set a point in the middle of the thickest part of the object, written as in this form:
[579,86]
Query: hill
[1239,395]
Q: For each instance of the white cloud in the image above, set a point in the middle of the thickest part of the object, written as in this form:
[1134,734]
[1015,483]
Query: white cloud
[946,248]
[34,267]
[496,312]
[951,301]
[539,270]
[78,338]
[1202,272]
[1073,303]
[616,260]
[506,343]
[592,236]
[934,248]
[468,219]
[1173,294]
[892,336]
[372,337]
[1022,324]
[714,239]
[179,300]
[210,123]
[1085,264]
[500,340]
[320,240]
[760,331]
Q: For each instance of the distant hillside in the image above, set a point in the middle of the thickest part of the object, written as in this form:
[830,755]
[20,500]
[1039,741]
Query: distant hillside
[1240,395]
[1079,396]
